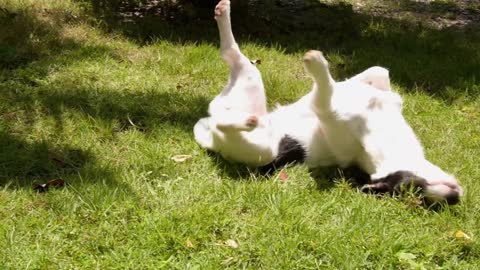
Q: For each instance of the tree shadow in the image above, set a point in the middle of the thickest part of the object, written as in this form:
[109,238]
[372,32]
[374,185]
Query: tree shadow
[33,32]
[143,111]
[325,177]
[34,35]
[30,46]
[419,56]
[23,164]
[233,170]
[461,13]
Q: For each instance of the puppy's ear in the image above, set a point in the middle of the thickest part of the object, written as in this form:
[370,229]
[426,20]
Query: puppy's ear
[203,133]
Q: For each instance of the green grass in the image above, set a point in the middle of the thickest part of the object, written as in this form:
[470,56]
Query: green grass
[72,84]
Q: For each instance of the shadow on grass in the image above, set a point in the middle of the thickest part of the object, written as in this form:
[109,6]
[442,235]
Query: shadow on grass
[233,170]
[324,177]
[418,56]
[28,37]
[32,32]
[23,164]
[30,47]
[143,111]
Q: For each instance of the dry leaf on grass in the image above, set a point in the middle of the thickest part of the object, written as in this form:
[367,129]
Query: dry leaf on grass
[181,158]
[460,235]
[189,244]
[256,61]
[283,176]
[54,183]
[134,125]
[231,243]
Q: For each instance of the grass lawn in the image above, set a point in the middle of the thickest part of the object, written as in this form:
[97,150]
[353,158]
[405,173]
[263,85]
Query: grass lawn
[105,101]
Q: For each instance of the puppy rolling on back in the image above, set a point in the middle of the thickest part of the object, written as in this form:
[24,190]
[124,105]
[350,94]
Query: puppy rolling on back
[355,122]
[368,115]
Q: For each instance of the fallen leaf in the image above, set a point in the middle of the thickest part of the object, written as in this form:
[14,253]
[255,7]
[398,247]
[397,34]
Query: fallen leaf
[405,256]
[189,244]
[460,235]
[40,187]
[256,61]
[228,261]
[283,176]
[181,158]
[54,183]
[409,260]
[58,161]
[231,243]
[140,128]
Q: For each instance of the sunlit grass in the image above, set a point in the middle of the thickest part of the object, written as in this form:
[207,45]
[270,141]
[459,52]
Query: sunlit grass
[106,114]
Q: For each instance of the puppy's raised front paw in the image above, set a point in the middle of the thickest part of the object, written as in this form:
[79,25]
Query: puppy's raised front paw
[315,63]
[314,57]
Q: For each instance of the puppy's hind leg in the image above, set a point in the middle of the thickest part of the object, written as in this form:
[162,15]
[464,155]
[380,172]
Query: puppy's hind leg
[244,91]
[228,46]
[377,77]
[317,66]
[227,40]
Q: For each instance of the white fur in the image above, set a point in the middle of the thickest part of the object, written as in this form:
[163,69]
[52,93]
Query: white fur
[357,121]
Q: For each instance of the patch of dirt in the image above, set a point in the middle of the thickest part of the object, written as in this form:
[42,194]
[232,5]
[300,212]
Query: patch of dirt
[434,13]
[437,14]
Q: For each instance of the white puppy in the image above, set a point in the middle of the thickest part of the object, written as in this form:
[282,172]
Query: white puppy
[355,122]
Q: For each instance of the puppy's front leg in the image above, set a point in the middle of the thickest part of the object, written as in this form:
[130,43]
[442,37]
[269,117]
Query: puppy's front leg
[236,121]
[245,89]
[317,66]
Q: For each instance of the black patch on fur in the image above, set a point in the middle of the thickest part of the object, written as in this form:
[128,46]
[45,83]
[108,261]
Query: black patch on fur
[452,198]
[290,151]
[394,182]
[356,176]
